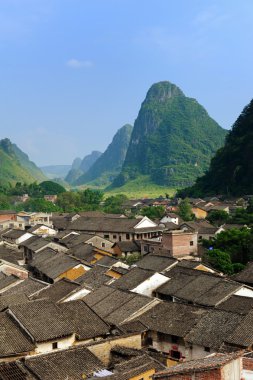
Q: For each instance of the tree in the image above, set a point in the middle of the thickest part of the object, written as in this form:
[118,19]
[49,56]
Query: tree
[91,198]
[4,202]
[218,217]
[69,201]
[238,243]
[114,204]
[39,205]
[153,212]
[185,210]
[219,260]
[51,188]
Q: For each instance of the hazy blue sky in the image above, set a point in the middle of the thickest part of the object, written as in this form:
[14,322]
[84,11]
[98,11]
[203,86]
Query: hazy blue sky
[74,71]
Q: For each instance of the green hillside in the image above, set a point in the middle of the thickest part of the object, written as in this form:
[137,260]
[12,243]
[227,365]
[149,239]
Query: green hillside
[231,169]
[109,164]
[173,139]
[15,165]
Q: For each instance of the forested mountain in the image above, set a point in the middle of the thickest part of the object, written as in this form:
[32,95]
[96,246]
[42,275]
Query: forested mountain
[15,165]
[173,139]
[81,166]
[231,169]
[109,164]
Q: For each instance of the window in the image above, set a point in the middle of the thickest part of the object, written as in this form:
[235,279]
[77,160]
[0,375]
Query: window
[191,242]
[114,236]
[106,236]
[127,236]
[207,349]
[55,345]
[175,354]
[20,225]
[103,244]
[174,339]
[145,247]
[200,237]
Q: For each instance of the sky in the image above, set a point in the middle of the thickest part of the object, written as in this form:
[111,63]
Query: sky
[72,72]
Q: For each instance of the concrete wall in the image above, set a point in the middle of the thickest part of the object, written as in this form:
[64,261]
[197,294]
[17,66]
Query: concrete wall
[62,343]
[102,349]
[148,286]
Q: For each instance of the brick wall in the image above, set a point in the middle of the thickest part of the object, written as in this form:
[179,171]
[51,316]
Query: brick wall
[247,364]
[214,374]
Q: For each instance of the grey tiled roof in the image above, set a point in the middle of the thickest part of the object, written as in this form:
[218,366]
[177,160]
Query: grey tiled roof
[133,278]
[14,371]
[8,280]
[171,318]
[54,266]
[74,364]
[237,304]
[155,262]
[29,286]
[57,291]
[94,277]
[243,334]
[12,299]
[87,324]
[213,328]
[246,275]
[37,316]
[13,339]
[203,364]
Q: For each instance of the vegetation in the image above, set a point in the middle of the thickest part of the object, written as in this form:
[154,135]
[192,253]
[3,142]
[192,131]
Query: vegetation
[236,243]
[115,204]
[87,200]
[185,210]
[141,187]
[218,217]
[109,164]
[231,169]
[15,165]
[156,212]
[173,139]
[38,205]
[219,260]
[79,167]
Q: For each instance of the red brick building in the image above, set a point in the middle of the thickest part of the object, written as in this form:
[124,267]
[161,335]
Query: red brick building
[213,367]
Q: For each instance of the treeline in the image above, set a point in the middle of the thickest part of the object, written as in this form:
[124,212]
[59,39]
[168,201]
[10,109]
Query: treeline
[67,201]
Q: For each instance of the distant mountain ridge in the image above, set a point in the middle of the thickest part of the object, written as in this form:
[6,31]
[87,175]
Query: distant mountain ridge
[231,169]
[109,164]
[15,165]
[55,171]
[173,139]
[80,166]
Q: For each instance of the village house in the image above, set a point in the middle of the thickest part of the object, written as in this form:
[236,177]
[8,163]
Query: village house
[180,243]
[61,333]
[34,218]
[50,266]
[170,218]
[42,230]
[50,198]
[213,367]
[14,238]
[115,229]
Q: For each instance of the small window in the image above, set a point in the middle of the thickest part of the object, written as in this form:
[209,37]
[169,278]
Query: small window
[20,225]
[55,345]
[145,248]
[207,349]
[174,339]
[175,354]
[127,236]
[200,237]
[191,242]
[103,244]
[106,236]
[114,236]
